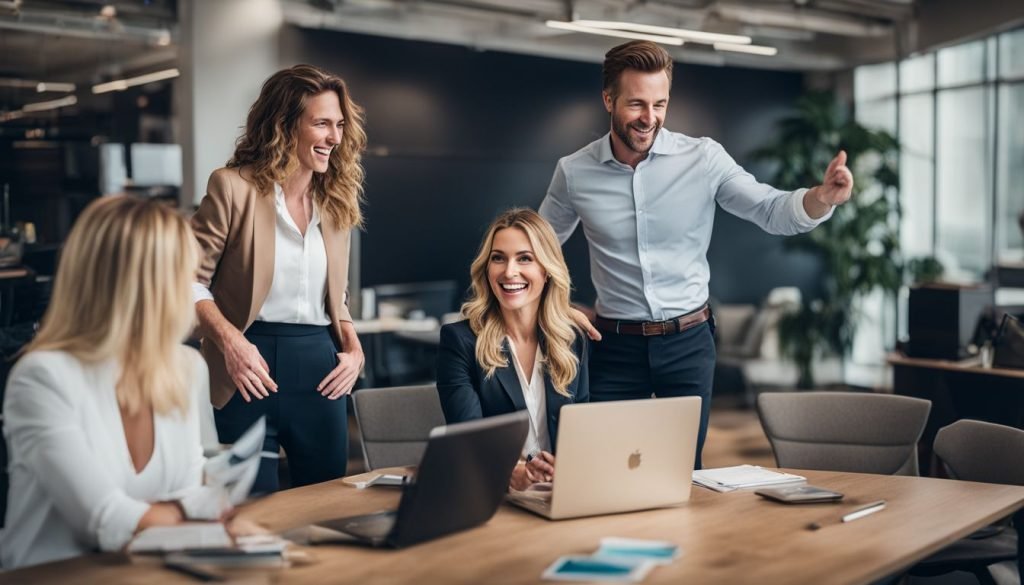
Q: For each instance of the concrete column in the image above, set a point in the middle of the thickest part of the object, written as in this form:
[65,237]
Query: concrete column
[228,48]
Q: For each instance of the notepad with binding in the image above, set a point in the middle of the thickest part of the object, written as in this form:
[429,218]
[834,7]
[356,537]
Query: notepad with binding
[737,477]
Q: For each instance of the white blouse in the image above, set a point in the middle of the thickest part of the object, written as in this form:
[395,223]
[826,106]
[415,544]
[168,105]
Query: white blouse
[299,287]
[534,394]
[73,487]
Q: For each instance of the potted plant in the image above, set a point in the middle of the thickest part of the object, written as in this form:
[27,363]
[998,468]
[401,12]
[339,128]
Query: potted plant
[858,246]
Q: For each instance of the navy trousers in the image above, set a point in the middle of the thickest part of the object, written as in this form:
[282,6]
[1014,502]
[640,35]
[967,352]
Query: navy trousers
[631,367]
[312,429]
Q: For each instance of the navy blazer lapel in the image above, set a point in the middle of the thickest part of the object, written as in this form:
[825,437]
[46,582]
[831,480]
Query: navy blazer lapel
[510,381]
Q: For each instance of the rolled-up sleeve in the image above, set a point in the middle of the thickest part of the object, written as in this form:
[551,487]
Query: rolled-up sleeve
[43,430]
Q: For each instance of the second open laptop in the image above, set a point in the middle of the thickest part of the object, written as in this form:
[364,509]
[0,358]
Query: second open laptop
[459,484]
[619,457]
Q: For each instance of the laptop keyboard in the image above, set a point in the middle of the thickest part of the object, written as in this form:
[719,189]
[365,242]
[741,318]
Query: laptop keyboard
[369,526]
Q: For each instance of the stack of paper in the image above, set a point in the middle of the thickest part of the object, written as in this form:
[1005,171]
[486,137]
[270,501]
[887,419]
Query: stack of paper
[727,479]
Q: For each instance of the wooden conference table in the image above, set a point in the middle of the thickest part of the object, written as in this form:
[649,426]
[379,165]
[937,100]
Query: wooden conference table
[725,538]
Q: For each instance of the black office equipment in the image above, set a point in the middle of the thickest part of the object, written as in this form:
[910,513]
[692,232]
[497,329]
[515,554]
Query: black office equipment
[1009,343]
[460,483]
[942,319]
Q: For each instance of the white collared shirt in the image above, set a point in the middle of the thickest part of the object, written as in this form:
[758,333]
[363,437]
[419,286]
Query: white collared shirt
[536,403]
[299,286]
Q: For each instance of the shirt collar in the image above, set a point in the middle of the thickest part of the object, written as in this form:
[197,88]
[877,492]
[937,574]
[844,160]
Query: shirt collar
[663,144]
[282,209]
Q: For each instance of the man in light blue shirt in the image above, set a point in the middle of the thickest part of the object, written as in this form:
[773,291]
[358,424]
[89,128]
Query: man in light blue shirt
[646,198]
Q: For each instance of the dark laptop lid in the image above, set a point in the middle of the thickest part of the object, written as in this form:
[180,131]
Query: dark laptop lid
[462,478]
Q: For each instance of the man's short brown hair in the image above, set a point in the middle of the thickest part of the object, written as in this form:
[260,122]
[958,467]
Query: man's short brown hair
[640,55]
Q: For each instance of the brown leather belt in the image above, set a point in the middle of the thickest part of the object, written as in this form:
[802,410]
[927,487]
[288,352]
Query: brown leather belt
[648,328]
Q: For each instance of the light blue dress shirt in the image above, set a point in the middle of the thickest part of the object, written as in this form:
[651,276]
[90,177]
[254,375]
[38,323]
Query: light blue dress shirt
[648,228]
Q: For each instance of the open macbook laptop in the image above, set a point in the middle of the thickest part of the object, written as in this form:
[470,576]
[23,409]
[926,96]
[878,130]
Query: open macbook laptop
[619,457]
[459,484]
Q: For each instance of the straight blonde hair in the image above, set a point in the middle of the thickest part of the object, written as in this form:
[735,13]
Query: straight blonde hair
[123,292]
[557,328]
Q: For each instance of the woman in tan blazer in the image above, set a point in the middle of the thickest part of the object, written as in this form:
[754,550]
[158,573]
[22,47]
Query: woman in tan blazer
[271,287]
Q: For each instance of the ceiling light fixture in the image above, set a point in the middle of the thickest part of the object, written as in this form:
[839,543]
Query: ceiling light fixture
[574,27]
[50,105]
[43,87]
[749,49]
[39,86]
[696,36]
[123,84]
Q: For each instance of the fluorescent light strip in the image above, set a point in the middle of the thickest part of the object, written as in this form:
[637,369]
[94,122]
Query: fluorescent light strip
[44,86]
[123,84]
[750,49]
[50,105]
[696,36]
[572,26]
[39,86]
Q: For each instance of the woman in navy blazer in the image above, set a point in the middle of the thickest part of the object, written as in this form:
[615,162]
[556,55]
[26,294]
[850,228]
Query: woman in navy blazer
[519,347]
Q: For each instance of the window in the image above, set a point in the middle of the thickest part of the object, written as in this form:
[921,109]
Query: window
[962,194]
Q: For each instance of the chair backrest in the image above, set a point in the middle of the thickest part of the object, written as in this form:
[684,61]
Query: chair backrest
[980,451]
[844,431]
[394,423]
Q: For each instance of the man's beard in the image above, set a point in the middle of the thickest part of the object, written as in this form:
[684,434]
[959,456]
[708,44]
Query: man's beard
[622,131]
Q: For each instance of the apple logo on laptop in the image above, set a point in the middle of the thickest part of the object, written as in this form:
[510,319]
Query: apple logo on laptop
[634,459]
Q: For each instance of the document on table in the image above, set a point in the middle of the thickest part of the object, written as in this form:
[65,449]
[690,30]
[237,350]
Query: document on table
[727,479]
[192,535]
[235,469]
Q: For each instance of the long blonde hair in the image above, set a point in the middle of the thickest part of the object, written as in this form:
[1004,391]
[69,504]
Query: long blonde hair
[123,291]
[557,328]
[268,144]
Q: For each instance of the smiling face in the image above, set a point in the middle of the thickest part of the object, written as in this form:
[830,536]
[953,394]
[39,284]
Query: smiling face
[319,131]
[516,277]
[637,112]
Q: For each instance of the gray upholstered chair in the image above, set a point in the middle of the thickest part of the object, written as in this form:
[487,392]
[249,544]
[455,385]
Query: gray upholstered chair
[394,423]
[844,431]
[979,451]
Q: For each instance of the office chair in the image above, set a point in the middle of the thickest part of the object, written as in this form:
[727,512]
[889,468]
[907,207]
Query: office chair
[844,431]
[394,423]
[979,451]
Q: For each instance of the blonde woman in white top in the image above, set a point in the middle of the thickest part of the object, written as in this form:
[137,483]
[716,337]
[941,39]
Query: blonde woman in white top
[102,410]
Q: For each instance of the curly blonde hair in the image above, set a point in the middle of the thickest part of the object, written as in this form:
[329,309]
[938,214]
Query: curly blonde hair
[267,146]
[557,328]
[123,291]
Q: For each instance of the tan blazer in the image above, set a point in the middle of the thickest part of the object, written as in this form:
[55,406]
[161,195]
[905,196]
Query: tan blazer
[235,229]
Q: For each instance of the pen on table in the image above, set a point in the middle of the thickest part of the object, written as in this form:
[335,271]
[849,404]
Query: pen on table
[193,571]
[865,511]
[860,512]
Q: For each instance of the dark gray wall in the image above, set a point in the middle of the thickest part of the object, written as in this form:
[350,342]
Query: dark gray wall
[457,135]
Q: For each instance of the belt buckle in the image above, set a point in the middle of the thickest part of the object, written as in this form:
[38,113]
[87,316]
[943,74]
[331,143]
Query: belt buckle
[657,328]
